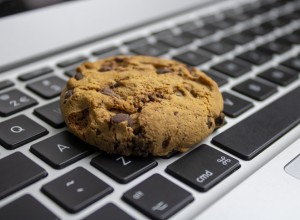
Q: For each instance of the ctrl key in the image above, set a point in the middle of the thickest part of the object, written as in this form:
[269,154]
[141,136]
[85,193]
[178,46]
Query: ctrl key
[157,197]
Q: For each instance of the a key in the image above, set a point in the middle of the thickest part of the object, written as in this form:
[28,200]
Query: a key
[192,58]
[224,24]
[202,32]
[51,114]
[280,75]
[260,30]
[163,34]
[109,212]
[240,38]
[136,42]
[76,189]
[19,130]
[187,26]
[6,84]
[292,38]
[106,52]
[177,41]
[218,48]
[255,89]
[47,88]
[293,63]
[220,80]
[61,149]
[233,68]
[71,61]
[71,72]
[123,169]
[35,73]
[157,197]
[18,171]
[275,47]
[256,57]
[203,168]
[234,106]
[156,49]
[26,207]
[254,134]
[14,101]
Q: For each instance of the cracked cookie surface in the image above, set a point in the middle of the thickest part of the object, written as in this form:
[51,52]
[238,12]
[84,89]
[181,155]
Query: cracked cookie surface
[138,105]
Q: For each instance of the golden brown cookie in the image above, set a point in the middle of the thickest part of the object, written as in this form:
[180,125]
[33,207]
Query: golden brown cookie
[141,105]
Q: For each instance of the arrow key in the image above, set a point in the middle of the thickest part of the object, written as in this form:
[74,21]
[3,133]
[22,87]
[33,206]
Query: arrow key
[61,150]
[234,106]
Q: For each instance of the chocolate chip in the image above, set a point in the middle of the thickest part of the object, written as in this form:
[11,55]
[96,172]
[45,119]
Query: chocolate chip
[166,142]
[162,70]
[219,121]
[78,76]
[176,113]
[209,122]
[105,68]
[151,97]
[118,118]
[109,92]
[119,59]
[69,93]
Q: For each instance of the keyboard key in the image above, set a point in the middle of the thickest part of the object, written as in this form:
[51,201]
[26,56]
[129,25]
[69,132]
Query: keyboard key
[234,106]
[246,141]
[6,84]
[255,89]
[76,189]
[123,169]
[218,48]
[137,42]
[224,24]
[276,47]
[192,58]
[187,26]
[260,30]
[26,207]
[14,101]
[240,38]
[157,197]
[61,150]
[109,212]
[220,80]
[156,49]
[202,32]
[71,72]
[177,41]
[72,61]
[163,34]
[256,57]
[19,130]
[48,88]
[203,168]
[51,114]
[293,63]
[233,68]
[292,38]
[18,171]
[280,75]
[35,73]
[106,52]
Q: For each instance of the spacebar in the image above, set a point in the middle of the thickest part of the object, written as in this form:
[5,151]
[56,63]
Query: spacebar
[251,136]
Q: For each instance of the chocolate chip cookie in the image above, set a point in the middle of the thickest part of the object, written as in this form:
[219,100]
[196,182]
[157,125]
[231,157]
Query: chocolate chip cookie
[138,105]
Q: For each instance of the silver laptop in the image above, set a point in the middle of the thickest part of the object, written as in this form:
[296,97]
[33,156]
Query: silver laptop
[247,169]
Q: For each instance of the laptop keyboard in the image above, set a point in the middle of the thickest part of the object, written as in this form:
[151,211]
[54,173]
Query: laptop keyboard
[54,175]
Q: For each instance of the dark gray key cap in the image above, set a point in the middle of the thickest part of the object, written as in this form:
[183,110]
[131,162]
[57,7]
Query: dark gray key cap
[255,89]
[48,88]
[136,42]
[233,68]
[70,72]
[177,41]
[276,47]
[240,38]
[76,189]
[256,57]
[18,171]
[163,34]
[224,24]
[61,149]
[19,130]
[5,84]
[192,58]
[14,101]
[218,48]
[109,212]
[251,136]
[190,25]
[156,49]
[51,114]
[292,38]
[35,73]
[234,106]
[123,169]
[202,32]
[203,168]
[106,52]
[157,197]
[71,61]
[260,30]
[26,207]
[293,63]
[280,75]
[220,80]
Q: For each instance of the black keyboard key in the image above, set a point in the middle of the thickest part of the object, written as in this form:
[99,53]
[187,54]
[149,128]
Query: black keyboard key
[246,141]
[218,48]
[255,89]
[26,207]
[136,42]
[192,58]
[6,84]
[233,68]
[220,80]
[48,88]
[163,34]
[157,197]
[202,32]
[203,168]
[260,30]
[14,101]
[240,38]
[19,130]
[51,114]
[61,149]
[177,41]
[187,26]
[106,52]
[123,169]
[154,50]
[234,106]
[292,38]
[293,63]
[76,189]
[280,75]
[71,72]
[35,73]
[109,212]
[224,24]
[256,57]
[276,47]
[18,171]
[71,61]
